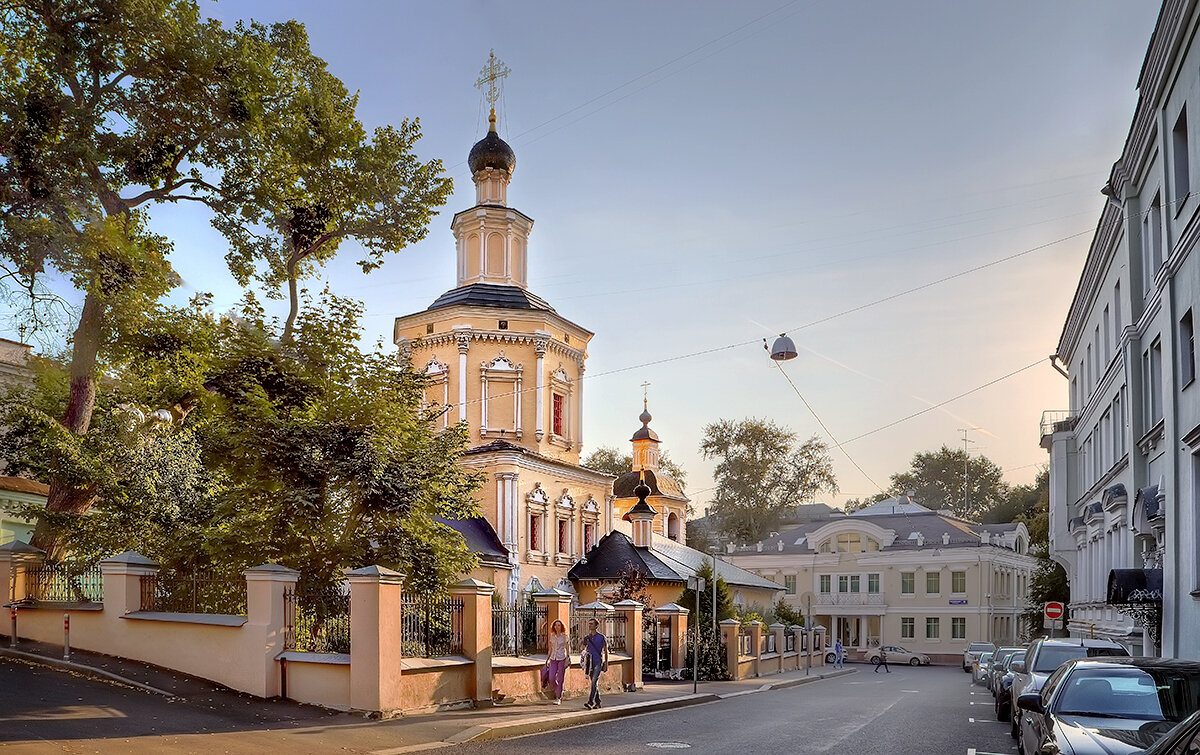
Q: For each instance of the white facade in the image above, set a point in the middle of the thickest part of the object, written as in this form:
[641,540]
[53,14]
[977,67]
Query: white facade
[1125,458]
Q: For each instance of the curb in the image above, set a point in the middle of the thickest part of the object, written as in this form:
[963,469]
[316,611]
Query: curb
[80,668]
[541,724]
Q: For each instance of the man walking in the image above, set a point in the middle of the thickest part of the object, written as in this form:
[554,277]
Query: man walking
[839,654]
[882,661]
[595,656]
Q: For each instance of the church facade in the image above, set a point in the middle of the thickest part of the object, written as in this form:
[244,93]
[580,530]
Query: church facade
[503,361]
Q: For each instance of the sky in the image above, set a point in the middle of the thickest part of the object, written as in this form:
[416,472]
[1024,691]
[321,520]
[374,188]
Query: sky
[706,174]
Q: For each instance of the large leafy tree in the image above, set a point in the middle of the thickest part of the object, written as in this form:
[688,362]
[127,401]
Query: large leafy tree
[949,478]
[109,107]
[317,457]
[762,470]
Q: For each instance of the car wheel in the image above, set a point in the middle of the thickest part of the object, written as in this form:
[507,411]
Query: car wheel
[1002,711]
[830,658]
[967,669]
[914,662]
[1014,730]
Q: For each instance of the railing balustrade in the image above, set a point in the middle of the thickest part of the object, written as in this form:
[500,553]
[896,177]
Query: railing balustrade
[850,599]
[317,620]
[431,626]
[613,627]
[197,592]
[66,582]
[518,630]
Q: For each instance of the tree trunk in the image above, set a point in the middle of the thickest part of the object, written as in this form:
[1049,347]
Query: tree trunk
[81,402]
[293,301]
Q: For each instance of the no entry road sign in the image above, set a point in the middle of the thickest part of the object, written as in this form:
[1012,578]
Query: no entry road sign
[1053,610]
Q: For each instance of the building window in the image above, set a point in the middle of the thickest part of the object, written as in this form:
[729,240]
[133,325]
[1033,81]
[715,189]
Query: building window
[1180,158]
[933,582]
[843,583]
[908,583]
[535,532]
[1108,352]
[826,584]
[564,535]
[825,547]
[1155,382]
[873,584]
[789,584]
[557,426]
[849,542]
[958,628]
[1187,349]
[1152,254]
[1117,326]
[933,628]
[589,532]
[908,627]
[958,581]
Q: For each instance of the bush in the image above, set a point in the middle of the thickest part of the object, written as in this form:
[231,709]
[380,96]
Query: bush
[712,666]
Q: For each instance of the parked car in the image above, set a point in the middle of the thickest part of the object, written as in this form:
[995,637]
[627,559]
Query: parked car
[991,680]
[1004,696]
[1183,739]
[898,656]
[980,668]
[971,654]
[1108,706]
[1043,656]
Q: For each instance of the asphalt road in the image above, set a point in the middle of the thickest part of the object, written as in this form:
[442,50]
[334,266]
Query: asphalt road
[912,710]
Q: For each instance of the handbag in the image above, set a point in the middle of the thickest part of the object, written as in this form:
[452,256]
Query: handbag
[545,674]
[585,662]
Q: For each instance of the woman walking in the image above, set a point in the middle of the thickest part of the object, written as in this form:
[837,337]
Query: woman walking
[557,659]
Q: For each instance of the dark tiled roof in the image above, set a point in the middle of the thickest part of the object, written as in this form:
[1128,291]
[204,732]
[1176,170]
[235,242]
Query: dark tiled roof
[929,525]
[497,446]
[491,295]
[480,538]
[660,483]
[666,561]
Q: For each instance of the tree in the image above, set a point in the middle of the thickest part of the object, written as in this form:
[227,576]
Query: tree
[935,479]
[785,614]
[609,460]
[1020,502]
[633,585]
[109,107]
[725,607]
[760,473]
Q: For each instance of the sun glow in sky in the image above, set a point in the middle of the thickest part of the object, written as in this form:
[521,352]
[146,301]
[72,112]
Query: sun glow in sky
[704,174]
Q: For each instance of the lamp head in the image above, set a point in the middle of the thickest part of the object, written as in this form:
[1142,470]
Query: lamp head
[783,349]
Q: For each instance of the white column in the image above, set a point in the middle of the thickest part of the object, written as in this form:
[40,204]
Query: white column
[463,337]
[539,345]
[517,418]
[579,407]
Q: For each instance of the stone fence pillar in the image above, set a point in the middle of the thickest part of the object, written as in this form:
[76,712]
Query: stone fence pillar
[375,632]
[122,575]
[678,616]
[266,616]
[558,608]
[476,596]
[730,628]
[16,559]
[819,645]
[756,632]
[632,611]
[777,631]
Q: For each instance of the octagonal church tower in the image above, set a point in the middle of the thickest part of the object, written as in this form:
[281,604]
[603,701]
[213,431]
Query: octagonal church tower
[502,360]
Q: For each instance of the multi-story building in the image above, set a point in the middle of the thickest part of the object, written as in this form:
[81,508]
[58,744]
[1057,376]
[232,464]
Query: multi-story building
[898,573]
[1125,456]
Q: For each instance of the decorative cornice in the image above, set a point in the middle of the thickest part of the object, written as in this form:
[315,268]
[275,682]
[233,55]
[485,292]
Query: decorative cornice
[541,344]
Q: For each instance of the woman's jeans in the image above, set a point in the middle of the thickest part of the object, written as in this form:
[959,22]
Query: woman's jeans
[558,672]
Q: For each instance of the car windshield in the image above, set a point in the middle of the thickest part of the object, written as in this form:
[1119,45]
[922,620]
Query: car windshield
[1150,694]
[976,647]
[984,658]
[1051,657]
[1013,659]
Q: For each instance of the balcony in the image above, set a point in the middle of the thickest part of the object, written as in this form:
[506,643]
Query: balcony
[850,599]
[1056,421]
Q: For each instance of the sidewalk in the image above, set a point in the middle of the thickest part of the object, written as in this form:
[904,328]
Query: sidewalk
[257,723]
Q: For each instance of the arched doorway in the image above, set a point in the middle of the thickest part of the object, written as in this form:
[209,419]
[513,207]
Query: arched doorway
[673,526]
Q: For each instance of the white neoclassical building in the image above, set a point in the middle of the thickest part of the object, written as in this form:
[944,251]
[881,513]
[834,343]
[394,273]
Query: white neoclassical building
[1125,455]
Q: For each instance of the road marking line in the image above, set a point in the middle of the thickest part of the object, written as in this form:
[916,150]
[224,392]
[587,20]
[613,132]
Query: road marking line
[970,751]
[970,720]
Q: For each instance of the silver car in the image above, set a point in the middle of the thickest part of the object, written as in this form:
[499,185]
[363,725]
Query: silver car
[980,668]
[1043,657]
[972,653]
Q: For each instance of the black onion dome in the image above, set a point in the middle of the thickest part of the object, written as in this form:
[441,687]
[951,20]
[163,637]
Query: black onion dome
[492,152]
[645,417]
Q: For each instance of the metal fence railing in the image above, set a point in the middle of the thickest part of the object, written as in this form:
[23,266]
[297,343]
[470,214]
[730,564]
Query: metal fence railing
[198,592]
[518,630]
[789,642]
[768,643]
[66,582]
[745,643]
[431,626]
[613,627]
[316,621]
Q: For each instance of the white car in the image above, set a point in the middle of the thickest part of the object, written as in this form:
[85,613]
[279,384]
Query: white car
[896,656]
[971,654]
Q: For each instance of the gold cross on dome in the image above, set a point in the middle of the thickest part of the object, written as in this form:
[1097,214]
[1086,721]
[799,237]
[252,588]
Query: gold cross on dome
[645,394]
[494,71]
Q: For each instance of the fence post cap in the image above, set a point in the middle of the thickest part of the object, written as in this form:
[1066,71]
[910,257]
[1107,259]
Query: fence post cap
[271,573]
[553,595]
[595,606]
[672,608]
[754,623]
[375,573]
[775,626]
[795,628]
[730,623]
[472,586]
[17,547]
[818,628]
[628,603]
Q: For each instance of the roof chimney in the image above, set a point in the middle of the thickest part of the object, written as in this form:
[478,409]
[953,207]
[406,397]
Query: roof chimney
[945,538]
[920,540]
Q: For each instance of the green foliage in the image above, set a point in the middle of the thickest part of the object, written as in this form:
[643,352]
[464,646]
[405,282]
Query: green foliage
[1021,502]
[713,666]
[935,480]
[609,460]
[1049,582]
[760,473]
[783,613]
[725,607]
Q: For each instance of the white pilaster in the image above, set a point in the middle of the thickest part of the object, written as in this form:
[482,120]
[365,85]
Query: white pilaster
[462,336]
[539,345]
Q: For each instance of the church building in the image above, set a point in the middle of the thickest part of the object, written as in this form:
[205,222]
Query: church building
[502,360]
